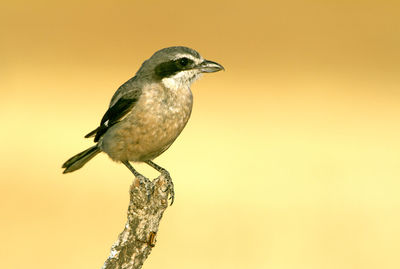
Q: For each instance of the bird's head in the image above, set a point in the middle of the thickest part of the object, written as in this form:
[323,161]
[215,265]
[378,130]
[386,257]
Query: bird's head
[177,66]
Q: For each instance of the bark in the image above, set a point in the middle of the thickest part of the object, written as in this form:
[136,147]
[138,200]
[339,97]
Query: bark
[134,244]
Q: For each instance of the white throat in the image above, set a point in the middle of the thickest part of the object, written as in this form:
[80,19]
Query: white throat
[182,79]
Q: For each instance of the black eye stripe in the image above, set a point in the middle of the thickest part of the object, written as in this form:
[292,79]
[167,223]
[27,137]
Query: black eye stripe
[172,67]
[183,61]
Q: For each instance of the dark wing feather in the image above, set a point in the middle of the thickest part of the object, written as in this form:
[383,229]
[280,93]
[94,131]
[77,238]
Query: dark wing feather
[92,133]
[113,115]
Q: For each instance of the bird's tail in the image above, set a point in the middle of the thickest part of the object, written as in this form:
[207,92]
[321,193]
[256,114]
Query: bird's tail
[80,159]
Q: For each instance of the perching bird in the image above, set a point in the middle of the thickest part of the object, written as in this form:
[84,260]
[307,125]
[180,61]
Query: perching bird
[148,112]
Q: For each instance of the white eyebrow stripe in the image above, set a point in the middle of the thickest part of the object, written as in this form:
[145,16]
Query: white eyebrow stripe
[196,60]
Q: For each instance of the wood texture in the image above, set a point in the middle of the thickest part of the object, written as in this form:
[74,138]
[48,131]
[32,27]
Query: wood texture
[134,244]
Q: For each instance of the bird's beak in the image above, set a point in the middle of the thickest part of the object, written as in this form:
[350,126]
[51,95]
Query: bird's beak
[210,67]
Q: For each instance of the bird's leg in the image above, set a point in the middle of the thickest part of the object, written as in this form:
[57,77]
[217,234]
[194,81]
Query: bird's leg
[142,179]
[163,171]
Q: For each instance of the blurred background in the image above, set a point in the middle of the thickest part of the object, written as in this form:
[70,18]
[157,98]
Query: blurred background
[290,159]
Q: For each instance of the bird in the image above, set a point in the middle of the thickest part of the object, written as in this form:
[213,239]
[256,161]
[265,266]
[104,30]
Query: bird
[148,112]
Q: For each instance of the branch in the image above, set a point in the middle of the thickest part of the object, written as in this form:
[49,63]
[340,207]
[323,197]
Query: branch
[134,244]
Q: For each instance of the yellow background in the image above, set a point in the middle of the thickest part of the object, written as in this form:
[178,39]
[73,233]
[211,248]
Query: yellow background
[290,160]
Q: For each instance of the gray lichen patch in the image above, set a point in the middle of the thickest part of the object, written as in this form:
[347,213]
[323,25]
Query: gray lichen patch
[133,245]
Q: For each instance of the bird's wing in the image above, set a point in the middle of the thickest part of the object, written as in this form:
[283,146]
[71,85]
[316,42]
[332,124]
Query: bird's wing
[113,115]
[122,103]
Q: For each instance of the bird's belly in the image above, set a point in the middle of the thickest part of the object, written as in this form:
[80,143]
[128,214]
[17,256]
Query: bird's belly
[146,132]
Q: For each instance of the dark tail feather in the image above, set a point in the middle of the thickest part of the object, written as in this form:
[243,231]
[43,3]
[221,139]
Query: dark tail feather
[80,159]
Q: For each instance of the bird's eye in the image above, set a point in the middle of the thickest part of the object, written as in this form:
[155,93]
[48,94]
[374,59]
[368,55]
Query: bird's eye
[183,61]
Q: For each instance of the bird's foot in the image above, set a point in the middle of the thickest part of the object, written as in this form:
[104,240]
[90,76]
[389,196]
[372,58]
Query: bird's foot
[170,185]
[149,186]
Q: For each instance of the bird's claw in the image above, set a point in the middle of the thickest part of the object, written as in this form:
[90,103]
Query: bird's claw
[170,185]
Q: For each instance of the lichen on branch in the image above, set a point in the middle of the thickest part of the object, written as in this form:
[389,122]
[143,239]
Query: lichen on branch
[134,244]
